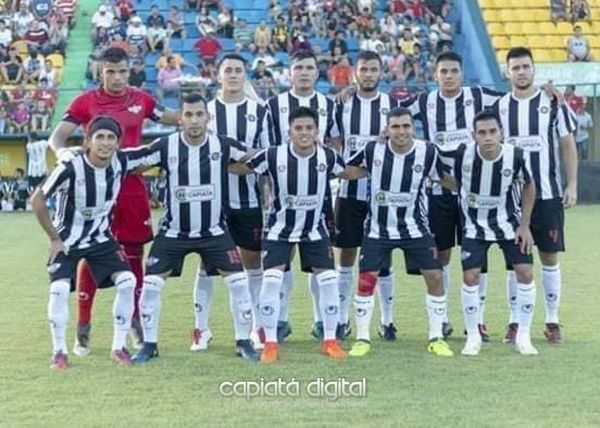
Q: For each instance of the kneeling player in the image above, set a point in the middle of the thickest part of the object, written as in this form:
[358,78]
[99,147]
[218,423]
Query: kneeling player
[489,176]
[87,187]
[196,165]
[300,174]
[397,218]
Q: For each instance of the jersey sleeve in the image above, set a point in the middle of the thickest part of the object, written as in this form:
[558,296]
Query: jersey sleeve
[412,104]
[565,121]
[333,129]
[435,170]
[236,149]
[447,158]
[523,168]
[336,163]
[145,156]
[259,162]
[359,159]
[152,109]
[489,97]
[59,179]
[263,138]
[79,111]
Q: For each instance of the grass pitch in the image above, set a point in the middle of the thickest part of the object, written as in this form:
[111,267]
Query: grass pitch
[405,385]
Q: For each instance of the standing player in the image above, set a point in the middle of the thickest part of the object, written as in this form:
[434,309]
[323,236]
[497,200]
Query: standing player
[37,168]
[487,176]
[194,222]
[87,187]
[398,172]
[131,224]
[304,73]
[361,119]
[300,174]
[238,117]
[538,124]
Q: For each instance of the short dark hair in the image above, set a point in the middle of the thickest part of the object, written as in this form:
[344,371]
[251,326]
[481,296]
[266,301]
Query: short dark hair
[303,54]
[399,112]
[368,56]
[20,171]
[114,55]
[518,52]
[486,115]
[302,112]
[448,56]
[193,98]
[232,56]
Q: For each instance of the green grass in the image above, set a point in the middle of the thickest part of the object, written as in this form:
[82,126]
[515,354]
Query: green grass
[406,386]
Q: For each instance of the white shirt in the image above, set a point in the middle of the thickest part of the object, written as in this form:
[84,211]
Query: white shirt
[6,37]
[157,33]
[136,33]
[49,75]
[102,20]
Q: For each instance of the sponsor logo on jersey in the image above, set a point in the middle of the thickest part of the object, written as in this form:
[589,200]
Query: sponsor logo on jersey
[251,118]
[135,109]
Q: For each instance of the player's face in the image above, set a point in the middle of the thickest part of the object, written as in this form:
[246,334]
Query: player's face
[103,144]
[488,136]
[194,119]
[115,76]
[449,75]
[520,71]
[232,75]
[303,132]
[368,74]
[400,131]
[304,74]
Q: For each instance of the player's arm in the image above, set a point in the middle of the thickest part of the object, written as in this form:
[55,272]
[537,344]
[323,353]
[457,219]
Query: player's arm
[356,167]
[239,168]
[566,129]
[449,182]
[256,164]
[60,135]
[141,159]
[353,173]
[523,235]
[169,117]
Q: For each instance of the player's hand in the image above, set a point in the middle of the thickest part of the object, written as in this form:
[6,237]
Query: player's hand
[57,246]
[553,92]
[570,196]
[345,93]
[524,239]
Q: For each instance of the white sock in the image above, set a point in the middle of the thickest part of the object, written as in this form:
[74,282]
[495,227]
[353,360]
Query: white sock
[363,306]
[551,282]
[446,284]
[313,286]
[150,306]
[436,312]
[511,291]
[329,303]
[123,308]
[483,282]
[345,280]
[269,302]
[254,284]
[526,305]
[240,304]
[469,298]
[203,293]
[58,314]
[385,288]
[285,293]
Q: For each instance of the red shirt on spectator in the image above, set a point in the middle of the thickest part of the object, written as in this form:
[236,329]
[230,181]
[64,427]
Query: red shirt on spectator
[67,7]
[47,95]
[39,36]
[208,47]
[341,74]
[400,93]
[399,6]
[574,101]
[125,8]
[417,9]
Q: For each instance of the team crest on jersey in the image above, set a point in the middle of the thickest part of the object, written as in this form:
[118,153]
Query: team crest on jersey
[267,310]
[544,110]
[251,118]
[87,213]
[289,202]
[81,182]
[377,162]
[511,141]
[466,168]
[173,159]
[331,310]
[507,172]
[322,167]
[135,109]
[384,110]
[215,156]
[418,168]
[283,110]
[503,112]
[281,168]
[347,109]
[471,200]
[323,112]
[439,139]
[380,197]
[247,315]
[468,103]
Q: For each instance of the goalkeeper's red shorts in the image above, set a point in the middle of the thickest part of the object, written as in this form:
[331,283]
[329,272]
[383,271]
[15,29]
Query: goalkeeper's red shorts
[132,222]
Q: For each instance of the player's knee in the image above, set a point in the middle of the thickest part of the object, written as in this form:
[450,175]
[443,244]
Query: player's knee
[524,274]
[125,281]
[444,256]
[60,288]
[366,283]
[347,256]
[548,259]
[153,284]
[471,278]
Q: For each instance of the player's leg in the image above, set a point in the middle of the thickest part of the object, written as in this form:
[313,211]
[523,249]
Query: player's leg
[202,298]
[284,328]
[123,308]
[513,309]
[86,291]
[385,289]
[135,257]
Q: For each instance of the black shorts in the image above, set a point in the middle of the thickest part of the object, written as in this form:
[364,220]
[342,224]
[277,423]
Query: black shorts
[168,254]
[103,259]
[474,253]
[19,204]
[313,254]
[245,227]
[34,182]
[350,216]
[419,254]
[445,220]
[548,225]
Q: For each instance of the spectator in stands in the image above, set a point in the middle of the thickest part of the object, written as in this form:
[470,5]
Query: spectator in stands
[336,56]
[67,9]
[280,35]
[41,9]
[102,18]
[323,62]
[33,66]
[37,38]
[340,41]
[340,75]
[574,101]
[12,69]
[263,55]
[58,36]
[119,28]
[407,43]
[137,75]
[364,21]
[137,33]
[347,18]
[208,47]
[243,35]
[578,47]
[101,37]
[3,120]
[371,41]
[93,66]
[45,93]
[123,9]
[169,79]
[155,17]
[300,43]
[262,36]
[262,80]
[6,37]
[178,23]
[135,53]
[22,20]
[119,42]
[205,22]
[41,116]
[389,27]
[580,11]
[162,61]
[18,122]
[19,94]
[559,10]
[584,125]
[156,37]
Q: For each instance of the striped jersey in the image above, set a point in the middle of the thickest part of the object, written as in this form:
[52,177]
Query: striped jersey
[36,158]
[360,121]
[489,190]
[248,123]
[196,183]
[281,105]
[299,186]
[86,195]
[397,188]
[536,124]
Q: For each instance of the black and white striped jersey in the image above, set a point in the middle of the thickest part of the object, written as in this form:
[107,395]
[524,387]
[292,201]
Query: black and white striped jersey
[360,121]
[248,123]
[196,182]
[489,193]
[397,188]
[36,158]
[85,197]
[300,186]
[281,105]
[536,124]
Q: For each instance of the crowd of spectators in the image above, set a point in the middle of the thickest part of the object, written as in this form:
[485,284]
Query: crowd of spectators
[33,38]
[570,10]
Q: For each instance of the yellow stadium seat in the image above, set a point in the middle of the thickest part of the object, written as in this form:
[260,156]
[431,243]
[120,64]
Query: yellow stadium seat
[501,56]
[491,15]
[495,29]
[595,54]
[558,55]
[501,4]
[595,28]
[513,28]
[508,15]
[486,4]
[596,14]
[21,47]
[57,60]
[540,15]
[523,15]
[530,28]
[537,3]
[518,41]
[564,28]
[537,42]
[501,42]
[586,28]
[541,55]
[554,42]
[547,28]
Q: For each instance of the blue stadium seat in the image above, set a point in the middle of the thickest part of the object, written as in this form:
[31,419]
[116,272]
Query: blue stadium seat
[227,44]
[188,45]
[191,58]
[252,16]
[152,57]
[192,31]
[189,17]
[283,58]
[323,42]
[323,87]
[176,45]
[352,43]
[171,103]
[151,73]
